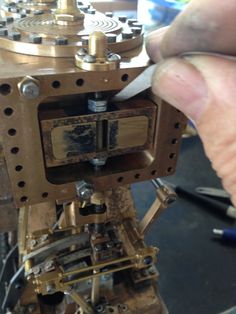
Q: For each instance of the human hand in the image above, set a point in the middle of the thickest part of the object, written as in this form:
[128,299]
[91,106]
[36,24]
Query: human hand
[203,86]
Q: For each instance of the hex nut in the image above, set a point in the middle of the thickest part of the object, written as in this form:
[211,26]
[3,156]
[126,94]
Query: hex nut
[97,105]
[29,88]
[84,190]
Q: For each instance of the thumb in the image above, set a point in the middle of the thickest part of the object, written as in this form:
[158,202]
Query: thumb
[203,88]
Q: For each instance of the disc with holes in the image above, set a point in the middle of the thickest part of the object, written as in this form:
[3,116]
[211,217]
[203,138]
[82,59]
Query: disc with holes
[20,9]
[40,35]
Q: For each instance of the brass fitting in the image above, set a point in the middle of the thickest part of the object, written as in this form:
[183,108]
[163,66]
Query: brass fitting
[67,13]
[97,57]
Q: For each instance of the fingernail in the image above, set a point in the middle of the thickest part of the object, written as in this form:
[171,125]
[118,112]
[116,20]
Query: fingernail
[182,85]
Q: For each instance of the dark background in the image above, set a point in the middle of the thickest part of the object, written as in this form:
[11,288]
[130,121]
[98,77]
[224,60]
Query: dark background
[197,273]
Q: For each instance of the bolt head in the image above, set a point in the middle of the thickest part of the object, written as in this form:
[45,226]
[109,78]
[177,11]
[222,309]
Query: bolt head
[36,270]
[3,32]
[122,18]
[82,52]
[109,14]
[35,39]
[147,260]
[112,57]
[111,38]
[61,41]
[14,36]
[136,30]
[100,308]
[29,89]
[33,242]
[127,35]
[84,190]
[38,12]
[89,59]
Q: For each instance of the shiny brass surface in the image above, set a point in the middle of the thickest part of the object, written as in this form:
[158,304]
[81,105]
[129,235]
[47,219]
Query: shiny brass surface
[70,152]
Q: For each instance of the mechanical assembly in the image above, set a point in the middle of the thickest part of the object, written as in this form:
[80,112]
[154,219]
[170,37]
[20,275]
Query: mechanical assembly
[68,154]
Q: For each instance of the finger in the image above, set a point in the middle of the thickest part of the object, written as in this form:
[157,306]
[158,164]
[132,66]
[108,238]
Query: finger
[203,87]
[153,43]
[206,26]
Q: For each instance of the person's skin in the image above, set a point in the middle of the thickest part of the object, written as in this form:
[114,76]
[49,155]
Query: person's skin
[203,86]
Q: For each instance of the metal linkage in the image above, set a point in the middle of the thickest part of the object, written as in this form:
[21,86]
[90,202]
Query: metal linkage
[165,197]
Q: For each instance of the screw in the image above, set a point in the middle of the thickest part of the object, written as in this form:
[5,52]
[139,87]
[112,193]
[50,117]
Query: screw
[33,242]
[84,190]
[136,30]
[127,35]
[61,41]
[50,288]
[14,36]
[35,39]
[82,52]
[100,308]
[36,270]
[44,237]
[3,32]
[98,247]
[84,8]
[111,38]
[9,19]
[131,21]
[122,18]
[109,14]
[89,59]
[3,23]
[147,260]
[85,40]
[91,11]
[113,57]
[137,25]
[109,245]
[14,10]
[38,12]
[26,11]
[29,89]
[48,265]
[123,307]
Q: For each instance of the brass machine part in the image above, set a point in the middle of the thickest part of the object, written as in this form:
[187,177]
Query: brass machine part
[165,197]
[68,13]
[43,108]
[96,58]
[21,9]
[63,32]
